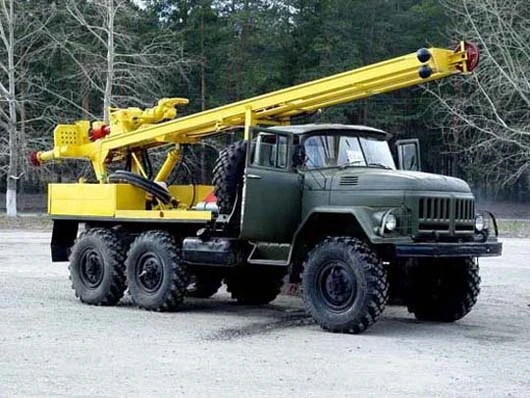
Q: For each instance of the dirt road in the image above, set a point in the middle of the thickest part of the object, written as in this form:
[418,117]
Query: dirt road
[52,345]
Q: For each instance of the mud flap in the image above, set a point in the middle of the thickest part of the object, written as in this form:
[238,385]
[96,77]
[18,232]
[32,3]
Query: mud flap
[63,238]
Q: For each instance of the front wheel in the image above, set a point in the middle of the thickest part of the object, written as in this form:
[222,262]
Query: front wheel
[345,286]
[442,290]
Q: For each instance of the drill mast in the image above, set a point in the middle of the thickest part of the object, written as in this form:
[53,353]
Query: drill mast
[132,129]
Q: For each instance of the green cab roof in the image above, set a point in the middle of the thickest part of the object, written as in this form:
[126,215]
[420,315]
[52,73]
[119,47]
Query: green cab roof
[316,128]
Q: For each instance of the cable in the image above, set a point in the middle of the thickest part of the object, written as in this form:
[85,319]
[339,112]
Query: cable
[148,167]
[177,169]
[128,162]
[192,180]
[151,187]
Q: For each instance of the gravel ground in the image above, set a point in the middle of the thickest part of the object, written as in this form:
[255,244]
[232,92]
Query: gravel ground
[52,345]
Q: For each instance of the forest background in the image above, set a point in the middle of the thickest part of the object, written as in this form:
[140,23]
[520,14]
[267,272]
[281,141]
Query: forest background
[65,60]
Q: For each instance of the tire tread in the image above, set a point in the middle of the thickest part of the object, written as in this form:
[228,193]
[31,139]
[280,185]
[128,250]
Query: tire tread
[174,294]
[117,249]
[376,277]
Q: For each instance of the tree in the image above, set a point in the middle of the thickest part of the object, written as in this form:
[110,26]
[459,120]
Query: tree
[7,33]
[21,26]
[486,118]
[117,65]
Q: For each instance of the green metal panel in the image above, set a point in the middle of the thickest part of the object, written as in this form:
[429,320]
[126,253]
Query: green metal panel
[271,205]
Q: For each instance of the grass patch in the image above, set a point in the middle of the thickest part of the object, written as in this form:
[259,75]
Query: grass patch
[514,228]
[23,222]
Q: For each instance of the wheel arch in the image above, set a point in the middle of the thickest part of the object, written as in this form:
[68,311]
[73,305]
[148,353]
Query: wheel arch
[322,222]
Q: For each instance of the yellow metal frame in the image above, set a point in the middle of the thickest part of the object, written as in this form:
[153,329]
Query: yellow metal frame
[133,129]
[123,201]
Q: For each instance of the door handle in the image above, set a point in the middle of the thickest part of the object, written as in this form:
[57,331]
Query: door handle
[253,176]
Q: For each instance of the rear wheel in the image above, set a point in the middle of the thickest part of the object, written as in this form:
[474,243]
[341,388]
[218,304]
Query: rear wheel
[97,269]
[157,278]
[442,290]
[345,286]
[254,286]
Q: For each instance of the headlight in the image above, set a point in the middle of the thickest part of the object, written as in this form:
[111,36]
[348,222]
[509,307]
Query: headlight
[390,222]
[479,222]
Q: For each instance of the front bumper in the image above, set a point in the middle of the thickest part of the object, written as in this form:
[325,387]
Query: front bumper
[468,249]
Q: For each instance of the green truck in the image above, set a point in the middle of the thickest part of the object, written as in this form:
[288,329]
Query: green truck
[321,204]
[326,204]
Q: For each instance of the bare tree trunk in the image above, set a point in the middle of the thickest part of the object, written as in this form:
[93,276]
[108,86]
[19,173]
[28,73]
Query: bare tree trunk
[11,194]
[86,106]
[110,59]
[203,64]
[135,68]
[203,96]
[22,139]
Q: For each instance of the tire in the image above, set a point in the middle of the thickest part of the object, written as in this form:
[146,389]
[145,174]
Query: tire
[228,178]
[254,286]
[359,292]
[203,285]
[97,267]
[157,278]
[442,290]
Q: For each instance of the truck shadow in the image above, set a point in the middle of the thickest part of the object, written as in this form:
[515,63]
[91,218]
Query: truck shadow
[289,313]
[274,324]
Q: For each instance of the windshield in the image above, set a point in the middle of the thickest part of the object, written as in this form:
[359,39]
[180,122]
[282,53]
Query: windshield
[342,151]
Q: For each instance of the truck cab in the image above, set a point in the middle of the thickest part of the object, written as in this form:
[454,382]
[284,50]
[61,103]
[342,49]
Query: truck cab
[310,180]
[327,202]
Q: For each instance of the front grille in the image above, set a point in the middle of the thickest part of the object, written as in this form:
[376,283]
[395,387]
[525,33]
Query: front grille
[464,209]
[448,215]
[435,209]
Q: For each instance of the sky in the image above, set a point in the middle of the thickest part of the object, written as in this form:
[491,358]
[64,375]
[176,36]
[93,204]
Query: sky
[139,2]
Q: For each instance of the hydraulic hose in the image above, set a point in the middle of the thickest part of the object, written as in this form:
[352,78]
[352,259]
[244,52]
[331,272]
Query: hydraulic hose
[148,167]
[192,180]
[149,186]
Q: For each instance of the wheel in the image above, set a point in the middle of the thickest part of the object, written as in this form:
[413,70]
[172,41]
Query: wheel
[203,285]
[157,278]
[254,286]
[228,177]
[442,290]
[345,286]
[97,269]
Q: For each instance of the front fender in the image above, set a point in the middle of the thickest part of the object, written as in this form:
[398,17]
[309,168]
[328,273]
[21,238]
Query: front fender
[329,221]
[361,216]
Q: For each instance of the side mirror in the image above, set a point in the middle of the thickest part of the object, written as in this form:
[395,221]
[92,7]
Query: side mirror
[409,154]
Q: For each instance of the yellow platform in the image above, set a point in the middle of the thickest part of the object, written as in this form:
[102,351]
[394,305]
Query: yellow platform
[121,201]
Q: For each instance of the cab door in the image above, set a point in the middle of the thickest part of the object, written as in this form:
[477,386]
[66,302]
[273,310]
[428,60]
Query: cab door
[408,152]
[272,191]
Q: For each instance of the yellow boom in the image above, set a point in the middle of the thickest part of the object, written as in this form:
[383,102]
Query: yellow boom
[133,129]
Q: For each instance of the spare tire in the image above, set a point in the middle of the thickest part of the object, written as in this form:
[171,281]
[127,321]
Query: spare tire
[228,178]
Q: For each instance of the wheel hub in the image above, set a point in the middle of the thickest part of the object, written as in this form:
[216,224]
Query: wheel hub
[91,271]
[337,286]
[150,272]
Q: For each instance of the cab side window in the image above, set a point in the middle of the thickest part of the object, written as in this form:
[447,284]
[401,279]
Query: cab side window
[271,151]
